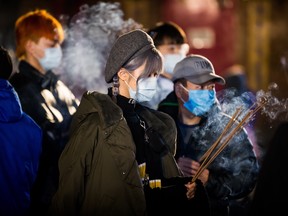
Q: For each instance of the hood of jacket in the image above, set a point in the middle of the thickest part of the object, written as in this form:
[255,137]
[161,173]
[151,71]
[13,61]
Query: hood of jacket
[95,102]
[10,107]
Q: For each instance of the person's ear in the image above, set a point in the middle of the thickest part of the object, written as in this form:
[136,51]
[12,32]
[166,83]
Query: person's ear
[29,46]
[186,49]
[123,74]
[180,92]
[178,89]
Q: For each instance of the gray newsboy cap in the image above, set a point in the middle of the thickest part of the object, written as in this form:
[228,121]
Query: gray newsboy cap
[126,47]
[196,69]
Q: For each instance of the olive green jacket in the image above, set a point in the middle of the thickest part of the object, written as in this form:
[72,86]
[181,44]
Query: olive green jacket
[98,171]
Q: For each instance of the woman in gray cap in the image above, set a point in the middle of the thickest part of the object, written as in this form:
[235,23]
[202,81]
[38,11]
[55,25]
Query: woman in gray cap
[101,173]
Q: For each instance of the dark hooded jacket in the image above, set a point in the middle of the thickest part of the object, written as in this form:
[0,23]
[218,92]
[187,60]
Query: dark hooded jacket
[20,144]
[98,169]
[233,174]
[51,105]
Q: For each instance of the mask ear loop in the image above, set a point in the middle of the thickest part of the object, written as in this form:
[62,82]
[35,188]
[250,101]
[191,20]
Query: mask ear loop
[180,84]
[128,84]
[133,78]
[131,89]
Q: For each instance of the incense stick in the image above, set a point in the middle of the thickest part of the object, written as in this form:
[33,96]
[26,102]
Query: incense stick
[215,144]
[206,160]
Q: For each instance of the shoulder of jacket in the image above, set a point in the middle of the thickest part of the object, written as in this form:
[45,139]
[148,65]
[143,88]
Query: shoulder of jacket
[95,102]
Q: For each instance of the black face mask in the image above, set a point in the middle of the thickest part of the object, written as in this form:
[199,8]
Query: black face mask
[238,82]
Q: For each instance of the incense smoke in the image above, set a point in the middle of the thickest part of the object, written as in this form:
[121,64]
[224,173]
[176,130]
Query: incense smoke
[275,108]
[269,105]
[89,38]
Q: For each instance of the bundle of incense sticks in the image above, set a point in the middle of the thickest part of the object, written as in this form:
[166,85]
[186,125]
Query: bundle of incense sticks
[227,134]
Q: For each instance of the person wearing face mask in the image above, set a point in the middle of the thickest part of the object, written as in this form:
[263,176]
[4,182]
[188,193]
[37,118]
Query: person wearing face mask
[43,96]
[171,41]
[197,113]
[120,151]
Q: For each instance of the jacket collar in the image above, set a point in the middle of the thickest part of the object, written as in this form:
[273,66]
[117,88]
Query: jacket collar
[27,70]
[95,102]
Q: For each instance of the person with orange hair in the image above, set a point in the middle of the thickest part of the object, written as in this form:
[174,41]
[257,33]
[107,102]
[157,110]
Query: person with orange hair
[43,96]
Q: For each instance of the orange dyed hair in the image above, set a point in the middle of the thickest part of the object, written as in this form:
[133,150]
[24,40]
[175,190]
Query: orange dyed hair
[34,25]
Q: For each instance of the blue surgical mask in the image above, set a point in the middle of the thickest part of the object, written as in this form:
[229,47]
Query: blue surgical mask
[170,60]
[146,89]
[199,101]
[52,58]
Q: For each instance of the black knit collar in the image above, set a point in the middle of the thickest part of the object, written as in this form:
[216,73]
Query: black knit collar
[126,104]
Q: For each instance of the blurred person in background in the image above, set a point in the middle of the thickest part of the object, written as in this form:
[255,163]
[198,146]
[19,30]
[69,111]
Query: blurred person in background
[237,85]
[200,121]
[20,144]
[236,79]
[43,95]
[171,41]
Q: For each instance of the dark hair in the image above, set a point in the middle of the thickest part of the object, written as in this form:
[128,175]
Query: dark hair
[154,59]
[167,33]
[6,66]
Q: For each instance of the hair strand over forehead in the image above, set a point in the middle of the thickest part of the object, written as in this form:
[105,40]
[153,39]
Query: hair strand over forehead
[152,56]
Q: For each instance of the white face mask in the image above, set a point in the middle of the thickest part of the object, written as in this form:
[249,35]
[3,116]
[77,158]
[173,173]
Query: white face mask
[170,60]
[146,89]
[52,58]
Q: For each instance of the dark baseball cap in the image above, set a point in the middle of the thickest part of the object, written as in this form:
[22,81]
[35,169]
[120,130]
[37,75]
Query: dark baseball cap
[196,69]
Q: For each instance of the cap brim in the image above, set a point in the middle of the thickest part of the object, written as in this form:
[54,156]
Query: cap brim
[200,79]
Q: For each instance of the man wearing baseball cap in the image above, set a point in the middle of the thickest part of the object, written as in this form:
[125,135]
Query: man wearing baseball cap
[196,111]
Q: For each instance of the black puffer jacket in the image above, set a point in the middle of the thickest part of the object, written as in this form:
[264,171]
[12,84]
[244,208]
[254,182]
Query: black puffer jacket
[51,104]
[234,172]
